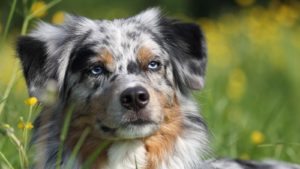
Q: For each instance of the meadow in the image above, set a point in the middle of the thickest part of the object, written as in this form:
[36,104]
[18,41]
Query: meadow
[250,100]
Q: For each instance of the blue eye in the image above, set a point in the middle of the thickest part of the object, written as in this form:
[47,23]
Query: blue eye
[96,70]
[154,65]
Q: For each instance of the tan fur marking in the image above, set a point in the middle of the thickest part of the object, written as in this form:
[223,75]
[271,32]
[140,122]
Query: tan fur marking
[163,141]
[144,56]
[107,59]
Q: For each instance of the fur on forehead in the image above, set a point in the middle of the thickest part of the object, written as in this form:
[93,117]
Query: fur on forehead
[75,26]
[55,35]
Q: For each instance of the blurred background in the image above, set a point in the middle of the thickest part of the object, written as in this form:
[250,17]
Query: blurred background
[251,100]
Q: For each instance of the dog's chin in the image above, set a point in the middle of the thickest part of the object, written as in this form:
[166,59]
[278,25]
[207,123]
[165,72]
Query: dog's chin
[134,131]
[129,131]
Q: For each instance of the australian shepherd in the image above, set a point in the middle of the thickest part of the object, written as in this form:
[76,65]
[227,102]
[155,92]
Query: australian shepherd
[123,89]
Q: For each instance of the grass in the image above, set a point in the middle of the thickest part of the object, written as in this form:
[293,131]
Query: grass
[251,97]
[252,84]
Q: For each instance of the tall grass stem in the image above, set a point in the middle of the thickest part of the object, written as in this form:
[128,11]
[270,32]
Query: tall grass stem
[26,129]
[9,19]
[29,17]
[63,136]
[9,86]
[88,163]
[77,148]
[6,161]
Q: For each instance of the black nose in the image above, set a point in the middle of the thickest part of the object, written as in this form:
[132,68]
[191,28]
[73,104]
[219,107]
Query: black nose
[134,98]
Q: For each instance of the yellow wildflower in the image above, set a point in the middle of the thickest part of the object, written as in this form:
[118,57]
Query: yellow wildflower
[31,101]
[257,137]
[21,125]
[58,17]
[38,9]
[236,84]
[29,125]
[245,2]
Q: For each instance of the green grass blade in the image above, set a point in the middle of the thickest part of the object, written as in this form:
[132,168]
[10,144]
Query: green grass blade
[63,135]
[22,153]
[77,148]
[135,161]
[31,16]
[6,161]
[87,164]
[10,85]
[9,19]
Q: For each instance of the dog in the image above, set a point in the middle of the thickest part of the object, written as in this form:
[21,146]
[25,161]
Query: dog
[127,83]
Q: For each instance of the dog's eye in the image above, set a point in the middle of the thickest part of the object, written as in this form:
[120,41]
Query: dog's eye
[154,65]
[96,70]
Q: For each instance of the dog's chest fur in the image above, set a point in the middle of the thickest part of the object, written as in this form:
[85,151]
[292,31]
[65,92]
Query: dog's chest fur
[128,154]
[133,154]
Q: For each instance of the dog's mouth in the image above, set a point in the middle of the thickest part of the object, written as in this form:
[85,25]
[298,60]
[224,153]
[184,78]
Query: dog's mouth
[107,129]
[137,128]
[138,122]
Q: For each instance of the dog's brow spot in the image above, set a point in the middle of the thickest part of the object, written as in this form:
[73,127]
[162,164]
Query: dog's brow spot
[107,58]
[132,67]
[144,55]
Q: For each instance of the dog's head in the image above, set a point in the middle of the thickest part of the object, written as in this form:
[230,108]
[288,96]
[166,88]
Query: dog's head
[124,76]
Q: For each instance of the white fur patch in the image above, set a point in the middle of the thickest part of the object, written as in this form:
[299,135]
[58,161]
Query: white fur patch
[127,154]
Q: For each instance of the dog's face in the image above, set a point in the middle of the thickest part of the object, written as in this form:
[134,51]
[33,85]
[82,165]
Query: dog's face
[123,76]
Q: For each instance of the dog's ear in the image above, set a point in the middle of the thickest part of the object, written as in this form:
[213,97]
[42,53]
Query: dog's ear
[33,55]
[187,48]
[44,58]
